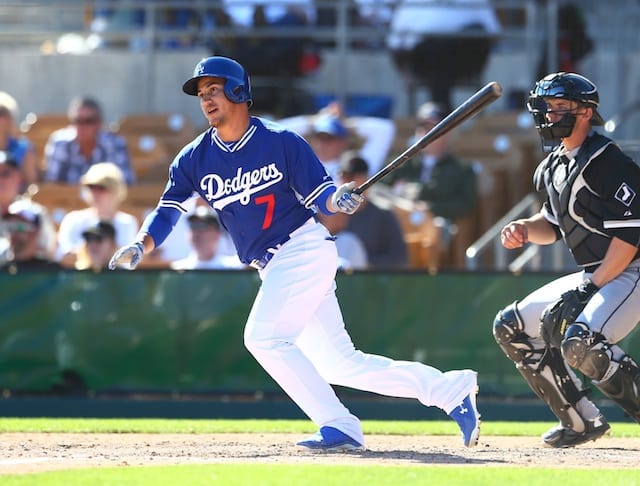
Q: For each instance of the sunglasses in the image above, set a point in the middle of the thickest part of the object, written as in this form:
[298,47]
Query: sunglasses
[97,187]
[93,238]
[201,226]
[18,226]
[85,121]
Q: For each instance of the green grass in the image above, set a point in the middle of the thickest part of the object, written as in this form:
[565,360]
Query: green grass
[206,426]
[292,474]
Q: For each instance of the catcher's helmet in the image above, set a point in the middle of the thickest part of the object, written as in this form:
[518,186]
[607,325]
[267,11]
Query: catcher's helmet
[237,87]
[568,86]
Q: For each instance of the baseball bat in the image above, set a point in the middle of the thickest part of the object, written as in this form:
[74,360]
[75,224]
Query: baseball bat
[472,106]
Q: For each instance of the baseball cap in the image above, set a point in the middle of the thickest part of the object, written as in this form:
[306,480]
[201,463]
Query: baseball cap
[431,111]
[24,210]
[203,214]
[103,229]
[7,158]
[107,175]
[352,163]
[330,125]
[8,105]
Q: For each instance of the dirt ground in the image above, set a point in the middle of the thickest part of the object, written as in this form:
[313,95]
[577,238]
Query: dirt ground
[35,452]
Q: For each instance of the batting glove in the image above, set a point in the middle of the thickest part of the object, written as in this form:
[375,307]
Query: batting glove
[345,200]
[563,312]
[127,257]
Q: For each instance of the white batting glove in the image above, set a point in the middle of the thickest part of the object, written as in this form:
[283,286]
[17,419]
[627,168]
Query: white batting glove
[127,257]
[345,200]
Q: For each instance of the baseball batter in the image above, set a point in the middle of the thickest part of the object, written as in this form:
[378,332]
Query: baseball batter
[266,185]
[574,322]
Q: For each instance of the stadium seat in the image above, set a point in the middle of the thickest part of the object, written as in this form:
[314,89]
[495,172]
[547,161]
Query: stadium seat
[149,155]
[174,129]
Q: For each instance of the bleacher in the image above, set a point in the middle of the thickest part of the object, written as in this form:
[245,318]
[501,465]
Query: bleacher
[503,147]
[152,140]
[158,122]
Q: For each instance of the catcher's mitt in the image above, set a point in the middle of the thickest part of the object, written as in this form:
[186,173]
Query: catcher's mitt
[560,314]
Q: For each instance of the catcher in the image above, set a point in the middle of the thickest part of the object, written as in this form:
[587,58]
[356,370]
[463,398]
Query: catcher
[573,323]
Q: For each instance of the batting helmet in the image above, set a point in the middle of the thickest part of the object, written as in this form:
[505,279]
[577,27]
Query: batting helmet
[237,87]
[568,86]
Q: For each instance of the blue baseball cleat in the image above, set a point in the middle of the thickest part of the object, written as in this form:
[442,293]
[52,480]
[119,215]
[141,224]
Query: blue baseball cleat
[468,419]
[330,439]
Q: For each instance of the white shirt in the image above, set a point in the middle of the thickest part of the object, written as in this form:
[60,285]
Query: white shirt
[352,254]
[378,134]
[75,222]
[428,163]
[218,262]
[412,20]
[177,246]
[241,11]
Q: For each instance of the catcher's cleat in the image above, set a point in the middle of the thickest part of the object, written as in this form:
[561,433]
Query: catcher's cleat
[330,439]
[562,437]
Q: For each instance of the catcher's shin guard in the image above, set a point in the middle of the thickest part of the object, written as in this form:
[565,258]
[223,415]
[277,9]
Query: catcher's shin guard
[552,382]
[543,369]
[624,387]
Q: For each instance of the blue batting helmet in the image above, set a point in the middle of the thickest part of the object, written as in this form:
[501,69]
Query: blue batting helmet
[237,87]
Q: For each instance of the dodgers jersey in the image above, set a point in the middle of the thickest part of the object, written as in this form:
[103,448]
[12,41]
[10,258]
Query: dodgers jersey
[263,187]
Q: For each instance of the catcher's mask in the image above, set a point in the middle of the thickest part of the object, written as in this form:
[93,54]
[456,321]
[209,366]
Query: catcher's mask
[568,86]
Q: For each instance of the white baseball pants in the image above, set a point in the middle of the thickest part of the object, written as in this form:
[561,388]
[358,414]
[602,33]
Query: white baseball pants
[296,332]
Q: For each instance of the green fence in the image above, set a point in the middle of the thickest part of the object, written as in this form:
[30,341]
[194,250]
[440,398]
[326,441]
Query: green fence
[182,332]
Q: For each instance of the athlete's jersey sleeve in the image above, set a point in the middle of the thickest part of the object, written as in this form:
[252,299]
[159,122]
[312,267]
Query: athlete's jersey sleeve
[161,221]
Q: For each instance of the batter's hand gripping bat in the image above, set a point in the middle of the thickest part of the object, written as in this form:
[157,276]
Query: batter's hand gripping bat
[474,105]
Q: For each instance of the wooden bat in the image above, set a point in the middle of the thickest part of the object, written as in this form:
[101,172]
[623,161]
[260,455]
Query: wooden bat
[472,106]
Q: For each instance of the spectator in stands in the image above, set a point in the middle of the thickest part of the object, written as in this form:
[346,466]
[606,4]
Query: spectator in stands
[72,150]
[11,184]
[447,185]
[352,254]
[99,243]
[104,190]
[331,133]
[574,42]
[275,56]
[441,44]
[24,222]
[204,238]
[378,228]
[177,246]
[18,148]
[361,13]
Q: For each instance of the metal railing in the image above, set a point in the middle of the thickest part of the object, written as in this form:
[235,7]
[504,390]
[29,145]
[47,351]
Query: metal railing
[555,258]
[490,241]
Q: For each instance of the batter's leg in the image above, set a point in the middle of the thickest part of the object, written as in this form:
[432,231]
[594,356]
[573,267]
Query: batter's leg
[330,348]
[294,284]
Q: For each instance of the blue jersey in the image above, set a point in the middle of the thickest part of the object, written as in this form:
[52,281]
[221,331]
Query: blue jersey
[263,187]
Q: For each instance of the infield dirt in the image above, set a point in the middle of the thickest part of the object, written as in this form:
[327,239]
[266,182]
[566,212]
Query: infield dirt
[35,452]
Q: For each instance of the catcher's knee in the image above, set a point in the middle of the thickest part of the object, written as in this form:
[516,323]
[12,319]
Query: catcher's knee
[587,351]
[508,332]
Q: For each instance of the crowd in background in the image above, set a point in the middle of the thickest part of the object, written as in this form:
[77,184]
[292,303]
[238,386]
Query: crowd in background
[87,155]
[90,156]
